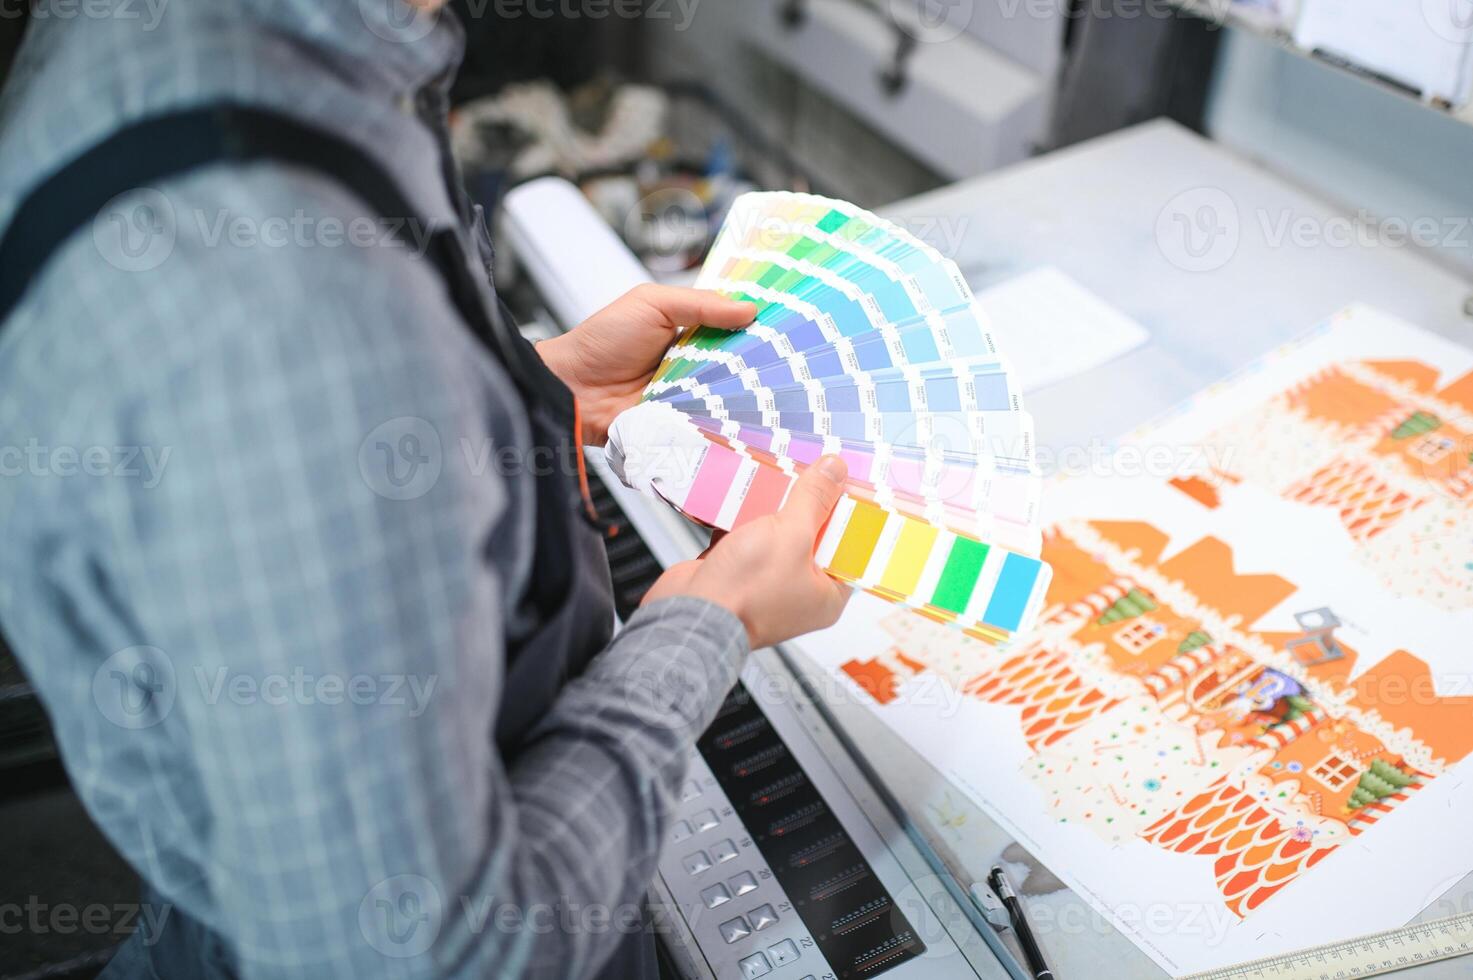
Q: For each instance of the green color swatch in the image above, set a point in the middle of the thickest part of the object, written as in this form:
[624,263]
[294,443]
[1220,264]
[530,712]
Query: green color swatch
[959,575]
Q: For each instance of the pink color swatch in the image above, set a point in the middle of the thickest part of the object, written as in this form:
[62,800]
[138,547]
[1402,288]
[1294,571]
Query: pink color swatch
[713,480]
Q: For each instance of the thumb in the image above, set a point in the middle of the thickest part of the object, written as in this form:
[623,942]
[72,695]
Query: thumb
[679,306]
[813,496]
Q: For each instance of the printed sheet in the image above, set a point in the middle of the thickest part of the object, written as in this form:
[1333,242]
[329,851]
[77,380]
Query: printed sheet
[1243,724]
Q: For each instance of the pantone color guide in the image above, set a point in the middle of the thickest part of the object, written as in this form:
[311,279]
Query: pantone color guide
[867,344]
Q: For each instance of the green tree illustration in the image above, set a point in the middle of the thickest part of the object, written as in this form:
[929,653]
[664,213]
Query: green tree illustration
[1396,777]
[1416,424]
[1381,780]
[1299,705]
[1128,606]
[1194,640]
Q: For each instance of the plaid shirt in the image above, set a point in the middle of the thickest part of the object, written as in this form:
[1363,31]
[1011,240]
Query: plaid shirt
[266,525]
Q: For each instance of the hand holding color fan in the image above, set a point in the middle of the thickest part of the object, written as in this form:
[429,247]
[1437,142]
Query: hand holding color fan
[867,344]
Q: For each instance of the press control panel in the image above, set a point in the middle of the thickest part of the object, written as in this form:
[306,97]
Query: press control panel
[767,877]
[781,861]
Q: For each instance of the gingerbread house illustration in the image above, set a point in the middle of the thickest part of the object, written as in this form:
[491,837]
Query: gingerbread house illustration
[1154,711]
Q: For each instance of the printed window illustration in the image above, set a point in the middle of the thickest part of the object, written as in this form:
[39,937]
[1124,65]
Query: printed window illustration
[1431,448]
[1335,771]
[1136,636]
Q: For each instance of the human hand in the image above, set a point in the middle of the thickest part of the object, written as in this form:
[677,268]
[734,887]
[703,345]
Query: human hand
[609,358]
[764,571]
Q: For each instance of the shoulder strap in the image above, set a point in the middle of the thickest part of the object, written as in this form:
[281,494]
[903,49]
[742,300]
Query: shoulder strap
[174,144]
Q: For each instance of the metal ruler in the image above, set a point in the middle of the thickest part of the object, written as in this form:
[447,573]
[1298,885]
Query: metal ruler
[1366,956]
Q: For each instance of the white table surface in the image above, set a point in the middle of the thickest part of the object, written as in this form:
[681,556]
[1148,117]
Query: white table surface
[1096,211]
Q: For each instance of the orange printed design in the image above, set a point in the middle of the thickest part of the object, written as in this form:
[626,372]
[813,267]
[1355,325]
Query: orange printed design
[874,678]
[1367,504]
[1199,489]
[1333,396]
[1382,443]
[1054,699]
[1151,713]
[1154,711]
[1256,854]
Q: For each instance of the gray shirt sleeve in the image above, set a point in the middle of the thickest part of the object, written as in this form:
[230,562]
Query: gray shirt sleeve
[336,648]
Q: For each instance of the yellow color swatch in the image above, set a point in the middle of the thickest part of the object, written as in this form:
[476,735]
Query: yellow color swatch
[908,560]
[858,542]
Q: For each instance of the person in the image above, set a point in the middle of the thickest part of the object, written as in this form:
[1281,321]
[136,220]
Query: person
[294,551]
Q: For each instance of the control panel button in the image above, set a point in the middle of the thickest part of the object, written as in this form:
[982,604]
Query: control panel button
[705,820]
[723,851]
[783,953]
[762,916]
[680,831]
[755,965]
[734,929]
[689,791]
[742,884]
[695,863]
[716,896]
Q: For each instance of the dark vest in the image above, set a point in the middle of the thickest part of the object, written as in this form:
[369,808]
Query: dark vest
[568,599]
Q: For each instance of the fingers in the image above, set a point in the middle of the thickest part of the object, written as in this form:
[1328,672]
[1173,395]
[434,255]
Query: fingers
[813,497]
[680,307]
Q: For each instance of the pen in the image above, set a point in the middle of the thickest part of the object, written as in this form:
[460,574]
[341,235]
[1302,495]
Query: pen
[1031,951]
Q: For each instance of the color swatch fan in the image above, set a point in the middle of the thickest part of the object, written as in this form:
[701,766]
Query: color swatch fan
[867,344]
